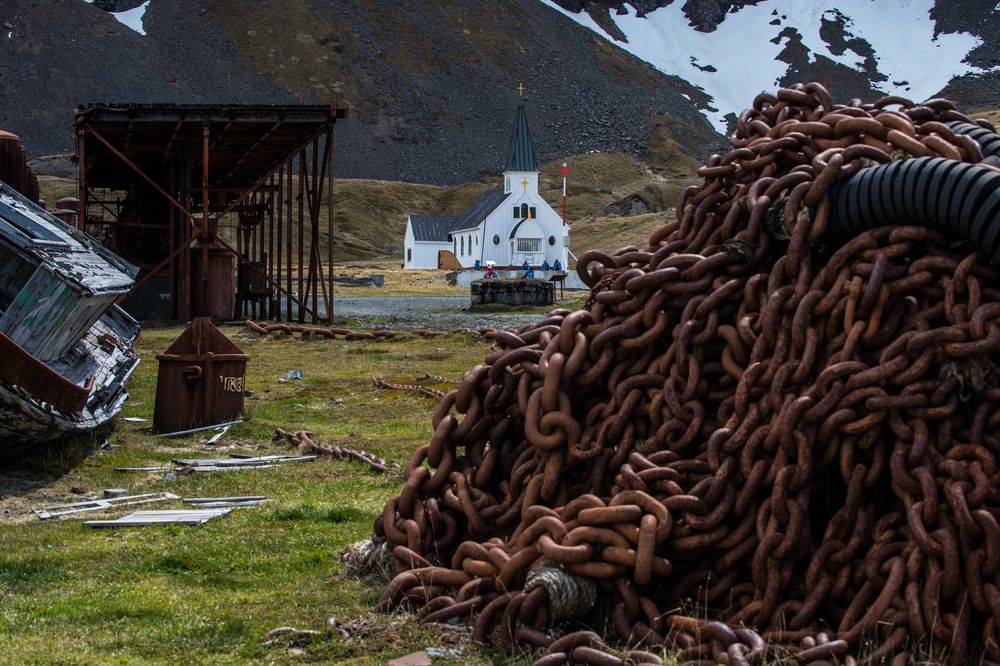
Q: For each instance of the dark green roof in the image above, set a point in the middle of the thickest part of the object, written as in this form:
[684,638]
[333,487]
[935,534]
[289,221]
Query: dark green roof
[522,151]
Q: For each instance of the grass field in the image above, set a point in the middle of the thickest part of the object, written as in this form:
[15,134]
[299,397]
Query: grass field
[207,595]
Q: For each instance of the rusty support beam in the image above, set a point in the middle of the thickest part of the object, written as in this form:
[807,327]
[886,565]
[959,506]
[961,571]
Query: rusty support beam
[142,174]
[329,220]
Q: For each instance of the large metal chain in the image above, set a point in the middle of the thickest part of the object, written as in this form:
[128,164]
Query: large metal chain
[755,446]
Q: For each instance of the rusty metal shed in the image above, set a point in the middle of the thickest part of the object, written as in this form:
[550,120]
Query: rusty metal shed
[220,205]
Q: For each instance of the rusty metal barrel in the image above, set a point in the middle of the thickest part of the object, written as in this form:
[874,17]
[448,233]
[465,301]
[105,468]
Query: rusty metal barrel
[200,381]
[213,282]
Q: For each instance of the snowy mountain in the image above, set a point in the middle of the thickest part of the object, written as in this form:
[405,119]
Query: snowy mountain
[734,50]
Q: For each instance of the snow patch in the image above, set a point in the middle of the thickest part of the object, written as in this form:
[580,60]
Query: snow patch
[738,59]
[130,18]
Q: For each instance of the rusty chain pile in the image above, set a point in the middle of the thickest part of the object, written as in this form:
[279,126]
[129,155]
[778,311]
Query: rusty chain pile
[304,441]
[753,446]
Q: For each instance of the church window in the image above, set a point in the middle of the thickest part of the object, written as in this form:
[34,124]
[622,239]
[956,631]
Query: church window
[552,240]
[507,185]
[454,245]
[409,254]
[524,210]
[531,212]
[462,239]
[517,212]
[529,244]
[496,239]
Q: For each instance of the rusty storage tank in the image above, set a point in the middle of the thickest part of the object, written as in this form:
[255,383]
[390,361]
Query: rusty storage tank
[68,203]
[213,291]
[200,380]
[12,161]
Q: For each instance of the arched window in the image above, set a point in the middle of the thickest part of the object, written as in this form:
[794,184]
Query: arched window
[462,239]
[454,246]
[409,254]
[524,210]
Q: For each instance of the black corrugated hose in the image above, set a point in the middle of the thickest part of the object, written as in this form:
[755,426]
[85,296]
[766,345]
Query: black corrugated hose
[959,199]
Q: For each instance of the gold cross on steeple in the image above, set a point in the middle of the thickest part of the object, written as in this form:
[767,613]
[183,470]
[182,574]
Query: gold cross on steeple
[525,183]
[520,89]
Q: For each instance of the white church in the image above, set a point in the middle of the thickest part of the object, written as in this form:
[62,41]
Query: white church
[506,226]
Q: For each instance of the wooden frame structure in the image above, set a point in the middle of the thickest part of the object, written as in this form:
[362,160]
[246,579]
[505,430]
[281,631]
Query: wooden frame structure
[183,191]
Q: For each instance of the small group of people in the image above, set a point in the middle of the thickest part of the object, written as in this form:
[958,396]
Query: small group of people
[529,271]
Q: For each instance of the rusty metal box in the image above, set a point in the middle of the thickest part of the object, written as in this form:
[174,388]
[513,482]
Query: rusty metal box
[200,379]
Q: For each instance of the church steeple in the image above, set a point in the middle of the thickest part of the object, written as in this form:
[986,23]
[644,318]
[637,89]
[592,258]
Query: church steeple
[522,151]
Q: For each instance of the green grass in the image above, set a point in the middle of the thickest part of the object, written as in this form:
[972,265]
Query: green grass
[207,595]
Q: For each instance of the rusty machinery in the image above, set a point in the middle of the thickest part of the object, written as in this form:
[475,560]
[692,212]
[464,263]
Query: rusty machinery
[14,169]
[219,205]
[754,443]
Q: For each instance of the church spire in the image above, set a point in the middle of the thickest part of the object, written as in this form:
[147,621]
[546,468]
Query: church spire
[522,151]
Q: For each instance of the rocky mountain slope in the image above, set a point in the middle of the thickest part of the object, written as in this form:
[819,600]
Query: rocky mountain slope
[431,83]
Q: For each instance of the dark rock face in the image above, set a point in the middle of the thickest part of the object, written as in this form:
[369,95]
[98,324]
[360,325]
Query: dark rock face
[117,5]
[431,84]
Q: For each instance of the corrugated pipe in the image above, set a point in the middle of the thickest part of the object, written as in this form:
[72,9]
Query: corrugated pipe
[959,199]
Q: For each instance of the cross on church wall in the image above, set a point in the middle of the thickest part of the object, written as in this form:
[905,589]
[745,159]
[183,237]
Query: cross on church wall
[525,183]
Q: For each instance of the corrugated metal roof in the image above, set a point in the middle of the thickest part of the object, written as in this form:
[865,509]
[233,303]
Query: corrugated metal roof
[522,151]
[479,210]
[431,227]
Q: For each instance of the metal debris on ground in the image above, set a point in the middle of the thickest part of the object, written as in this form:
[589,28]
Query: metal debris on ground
[304,441]
[794,441]
[59,510]
[219,502]
[142,469]
[134,419]
[199,465]
[291,375]
[217,436]
[188,517]
[191,431]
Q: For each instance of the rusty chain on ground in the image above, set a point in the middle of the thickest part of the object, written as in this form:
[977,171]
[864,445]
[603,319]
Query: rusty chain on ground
[305,442]
[265,328]
[753,447]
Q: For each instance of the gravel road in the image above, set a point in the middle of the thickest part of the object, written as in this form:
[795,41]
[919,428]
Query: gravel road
[432,312]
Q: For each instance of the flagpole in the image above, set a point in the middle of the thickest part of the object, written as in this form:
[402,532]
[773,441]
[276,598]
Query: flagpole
[564,170]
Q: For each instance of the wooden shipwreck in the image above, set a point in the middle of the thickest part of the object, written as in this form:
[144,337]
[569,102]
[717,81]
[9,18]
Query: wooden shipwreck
[66,348]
